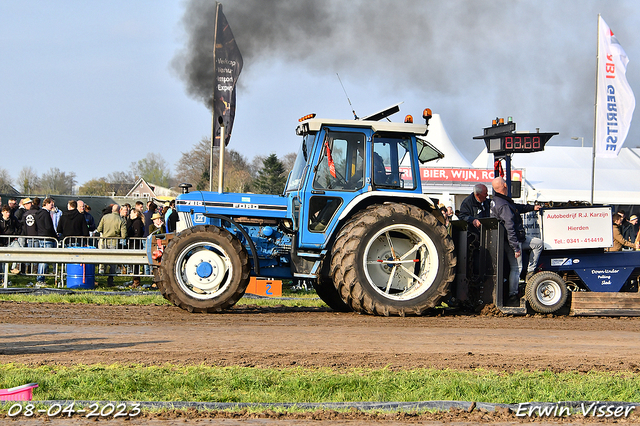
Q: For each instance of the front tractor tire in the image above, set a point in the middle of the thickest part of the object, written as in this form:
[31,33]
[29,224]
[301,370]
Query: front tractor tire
[393,259]
[204,269]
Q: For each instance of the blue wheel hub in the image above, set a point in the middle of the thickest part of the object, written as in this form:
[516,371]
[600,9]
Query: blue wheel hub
[204,269]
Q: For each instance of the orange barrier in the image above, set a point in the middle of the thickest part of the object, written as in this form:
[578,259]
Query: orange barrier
[264,287]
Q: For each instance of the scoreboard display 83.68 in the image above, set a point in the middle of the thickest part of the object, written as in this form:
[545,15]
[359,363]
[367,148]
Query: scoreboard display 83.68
[517,143]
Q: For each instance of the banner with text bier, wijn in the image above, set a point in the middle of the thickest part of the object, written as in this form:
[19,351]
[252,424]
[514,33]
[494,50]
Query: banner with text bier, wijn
[228,64]
[615,101]
[445,175]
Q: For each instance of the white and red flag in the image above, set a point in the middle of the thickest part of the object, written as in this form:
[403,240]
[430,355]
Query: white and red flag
[615,101]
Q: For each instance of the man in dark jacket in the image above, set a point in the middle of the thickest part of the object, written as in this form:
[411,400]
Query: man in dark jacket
[46,232]
[475,206]
[13,206]
[151,210]
[44,223]
[627,227]
[172,217]
[72,222]
[20,211]
[91,223]
[508,213]
[8,226]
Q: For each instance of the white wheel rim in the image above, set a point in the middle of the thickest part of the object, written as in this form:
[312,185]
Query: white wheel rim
[548,293]
[203,270]
[400,262]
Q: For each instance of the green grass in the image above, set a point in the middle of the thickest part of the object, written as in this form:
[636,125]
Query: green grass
[242,384]
[298,299]
[310,301]
[86,298]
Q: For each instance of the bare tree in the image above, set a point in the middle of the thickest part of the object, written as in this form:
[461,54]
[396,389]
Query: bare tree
[95,187]
[5,181]
[236,174]
[121,177]
[54,181]
[288,161]
[28,181]
[193,165]
[154,169]
[193,168]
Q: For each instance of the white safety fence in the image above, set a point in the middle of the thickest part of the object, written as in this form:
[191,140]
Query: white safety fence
[47,257]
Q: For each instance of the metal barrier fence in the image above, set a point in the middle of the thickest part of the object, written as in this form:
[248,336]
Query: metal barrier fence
[113,257]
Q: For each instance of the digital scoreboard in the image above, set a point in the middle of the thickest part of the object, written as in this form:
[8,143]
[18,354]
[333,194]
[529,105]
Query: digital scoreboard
[502,138]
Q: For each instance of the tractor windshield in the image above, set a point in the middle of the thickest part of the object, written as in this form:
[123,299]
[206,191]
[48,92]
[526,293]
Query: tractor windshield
[296,175]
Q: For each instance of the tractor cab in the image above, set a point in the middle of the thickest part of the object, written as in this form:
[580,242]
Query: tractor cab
[343,164]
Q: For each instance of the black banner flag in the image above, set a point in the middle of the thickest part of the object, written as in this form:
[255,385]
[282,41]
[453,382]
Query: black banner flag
[228,64]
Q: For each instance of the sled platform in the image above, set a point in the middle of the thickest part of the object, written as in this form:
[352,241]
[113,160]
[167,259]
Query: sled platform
[585,303]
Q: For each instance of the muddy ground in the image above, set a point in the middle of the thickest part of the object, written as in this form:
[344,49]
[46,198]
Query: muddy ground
[282,337]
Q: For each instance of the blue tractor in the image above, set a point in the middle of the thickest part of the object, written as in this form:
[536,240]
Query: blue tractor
[352,218]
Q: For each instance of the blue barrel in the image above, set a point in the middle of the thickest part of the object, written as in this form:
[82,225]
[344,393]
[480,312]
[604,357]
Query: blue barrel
[80,275]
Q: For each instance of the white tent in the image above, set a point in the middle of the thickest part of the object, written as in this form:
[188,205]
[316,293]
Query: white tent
[448,192]
[439,138]
[563,173]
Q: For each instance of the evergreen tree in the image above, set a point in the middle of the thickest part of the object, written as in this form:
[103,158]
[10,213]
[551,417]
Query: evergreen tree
[271,178]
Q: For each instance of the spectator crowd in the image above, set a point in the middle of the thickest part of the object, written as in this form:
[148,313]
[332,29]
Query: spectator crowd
[39,223]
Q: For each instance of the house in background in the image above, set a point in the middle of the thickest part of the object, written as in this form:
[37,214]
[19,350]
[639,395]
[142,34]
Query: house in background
[7,189]
[143,189]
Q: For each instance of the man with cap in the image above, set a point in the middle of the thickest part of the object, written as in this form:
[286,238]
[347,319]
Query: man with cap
[156,218]
[28,219]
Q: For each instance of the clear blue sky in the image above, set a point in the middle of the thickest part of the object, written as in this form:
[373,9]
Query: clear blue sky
[87,86]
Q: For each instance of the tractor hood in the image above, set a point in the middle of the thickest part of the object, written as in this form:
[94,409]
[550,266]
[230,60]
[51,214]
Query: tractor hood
[233,204]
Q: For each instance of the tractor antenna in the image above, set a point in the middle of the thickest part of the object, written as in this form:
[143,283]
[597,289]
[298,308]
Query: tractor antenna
[348,100]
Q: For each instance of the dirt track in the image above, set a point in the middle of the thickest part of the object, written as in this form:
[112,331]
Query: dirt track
[250,336]
[70,334]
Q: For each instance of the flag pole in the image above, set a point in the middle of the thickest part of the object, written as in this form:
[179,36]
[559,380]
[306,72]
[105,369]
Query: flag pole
[221,165]
[213,136]
[213,96]
[595,118]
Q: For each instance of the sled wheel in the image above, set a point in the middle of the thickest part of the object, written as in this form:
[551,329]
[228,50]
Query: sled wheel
[546,292]
[393,259]
[205,269]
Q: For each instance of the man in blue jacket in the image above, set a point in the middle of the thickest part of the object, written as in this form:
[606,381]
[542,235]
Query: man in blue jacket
[508,213]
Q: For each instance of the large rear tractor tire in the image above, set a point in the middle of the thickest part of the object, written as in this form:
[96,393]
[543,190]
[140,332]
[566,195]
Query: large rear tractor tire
[329,295]
[393,259]
[204,269]
[546,292]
